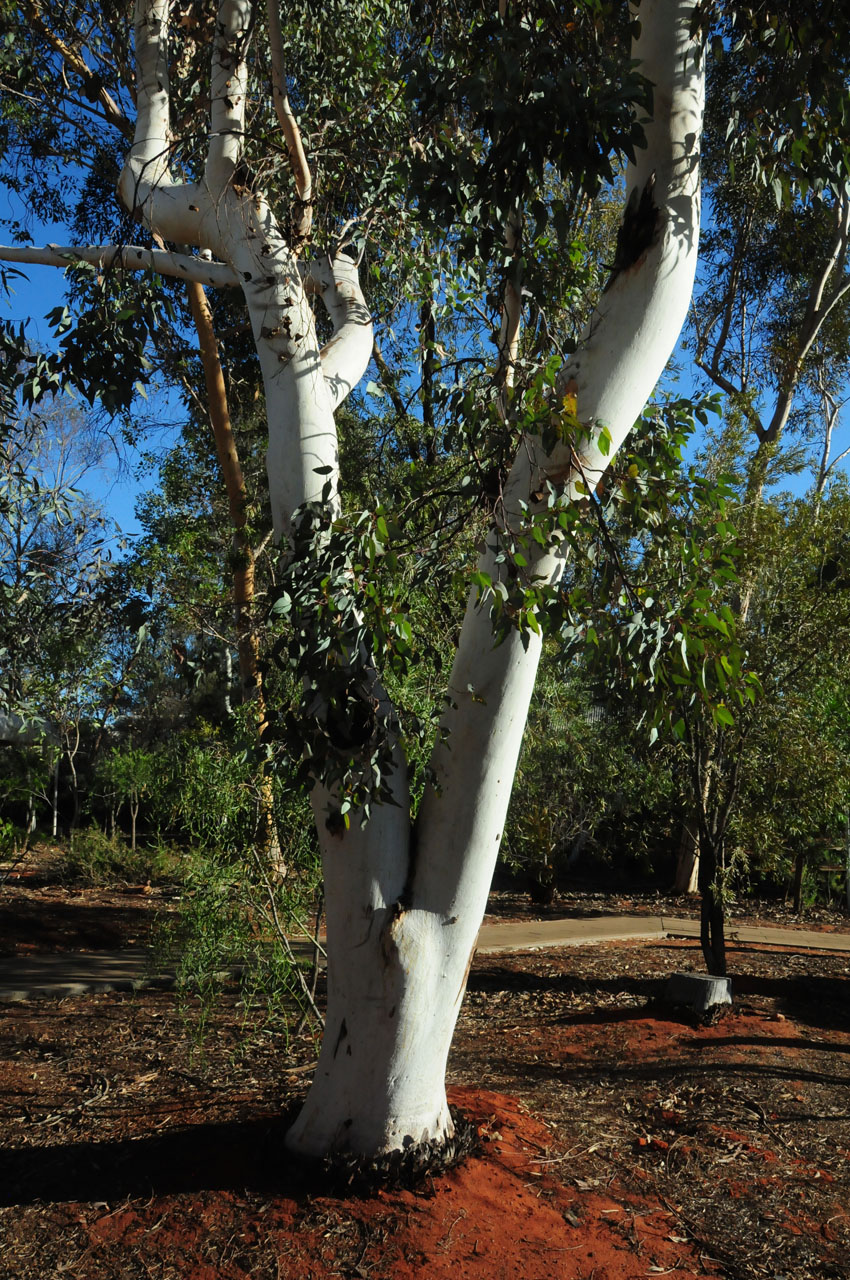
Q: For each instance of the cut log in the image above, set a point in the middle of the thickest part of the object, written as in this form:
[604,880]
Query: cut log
[698,991]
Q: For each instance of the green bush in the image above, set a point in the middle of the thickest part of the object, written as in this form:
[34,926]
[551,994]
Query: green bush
[12,839]
[96,858]
[587,784]
[240,904]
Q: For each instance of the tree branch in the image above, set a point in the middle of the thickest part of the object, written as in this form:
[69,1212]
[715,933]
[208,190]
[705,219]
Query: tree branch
[107,257]
[346,357]
[74,60]
[818,309]
[389,383]
[511,308]
[173,210]
[303,219]
[229,87]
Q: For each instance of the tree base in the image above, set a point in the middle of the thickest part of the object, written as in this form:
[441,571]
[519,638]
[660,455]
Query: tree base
[348,1173]
[706,996]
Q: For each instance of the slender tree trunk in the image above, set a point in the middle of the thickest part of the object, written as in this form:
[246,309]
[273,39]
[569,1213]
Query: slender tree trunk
[712,919]
[687,867]
[799,865]
[55,796]
[427,340]
[31,818]
[247,640]
[75,792]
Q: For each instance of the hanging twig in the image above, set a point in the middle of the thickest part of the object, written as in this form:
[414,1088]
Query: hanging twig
[287,946]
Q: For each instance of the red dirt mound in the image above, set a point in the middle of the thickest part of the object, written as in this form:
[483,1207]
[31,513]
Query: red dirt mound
[498,1217]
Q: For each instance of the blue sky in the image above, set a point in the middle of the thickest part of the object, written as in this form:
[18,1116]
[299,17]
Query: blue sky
[116,486]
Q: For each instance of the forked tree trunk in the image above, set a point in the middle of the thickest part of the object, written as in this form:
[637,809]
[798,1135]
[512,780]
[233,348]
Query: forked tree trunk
[404,905]
[404,911]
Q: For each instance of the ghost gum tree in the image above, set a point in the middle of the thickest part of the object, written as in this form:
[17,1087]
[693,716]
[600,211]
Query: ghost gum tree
[405,896]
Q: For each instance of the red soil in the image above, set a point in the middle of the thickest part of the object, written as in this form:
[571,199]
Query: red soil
[499,1217]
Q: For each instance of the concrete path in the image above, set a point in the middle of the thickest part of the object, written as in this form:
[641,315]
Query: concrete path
[75,973]
[529,936]
[60,974]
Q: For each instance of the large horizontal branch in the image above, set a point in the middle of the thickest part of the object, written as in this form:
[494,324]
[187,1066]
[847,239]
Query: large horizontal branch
[344,358]
[182,266]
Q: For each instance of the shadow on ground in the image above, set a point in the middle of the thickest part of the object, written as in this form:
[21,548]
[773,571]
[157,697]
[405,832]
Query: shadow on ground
[814,1000]
[236,1156]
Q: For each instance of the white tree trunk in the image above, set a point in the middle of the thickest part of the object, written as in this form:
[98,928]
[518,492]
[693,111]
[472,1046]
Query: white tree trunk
[404,911]
[404,904]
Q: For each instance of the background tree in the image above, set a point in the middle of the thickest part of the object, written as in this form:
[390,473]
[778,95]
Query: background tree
[55,544]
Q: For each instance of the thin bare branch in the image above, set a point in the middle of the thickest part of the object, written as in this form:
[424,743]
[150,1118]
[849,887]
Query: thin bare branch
[303,216]
[511,308]
[75,61]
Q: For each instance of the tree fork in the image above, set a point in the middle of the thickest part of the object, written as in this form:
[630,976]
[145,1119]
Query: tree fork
[396,978]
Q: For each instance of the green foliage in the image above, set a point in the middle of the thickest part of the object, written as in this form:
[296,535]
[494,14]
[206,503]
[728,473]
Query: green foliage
[101,351]
[11,839]
[96,858]
[794,791]
[217,793]
[788,117]
[236,919]
[240,903]
[345,612]
[129,773]
[589,790]
[53,565]
[504,102]
[651,592]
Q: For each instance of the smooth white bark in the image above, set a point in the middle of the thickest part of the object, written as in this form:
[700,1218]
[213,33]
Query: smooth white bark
[299,406]
[181,266]
[404,906]
[404,965]
[346,356]
[146,185]
[229,88]
[302,384]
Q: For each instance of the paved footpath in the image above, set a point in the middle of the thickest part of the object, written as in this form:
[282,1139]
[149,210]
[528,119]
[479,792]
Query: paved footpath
[75,973]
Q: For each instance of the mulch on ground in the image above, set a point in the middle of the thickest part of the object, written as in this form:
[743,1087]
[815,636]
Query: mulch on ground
[619,1140]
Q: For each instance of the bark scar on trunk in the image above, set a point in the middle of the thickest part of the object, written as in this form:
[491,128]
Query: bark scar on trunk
[343,1035]
[465,977]
[389,941]
[560,476]
[642,224]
